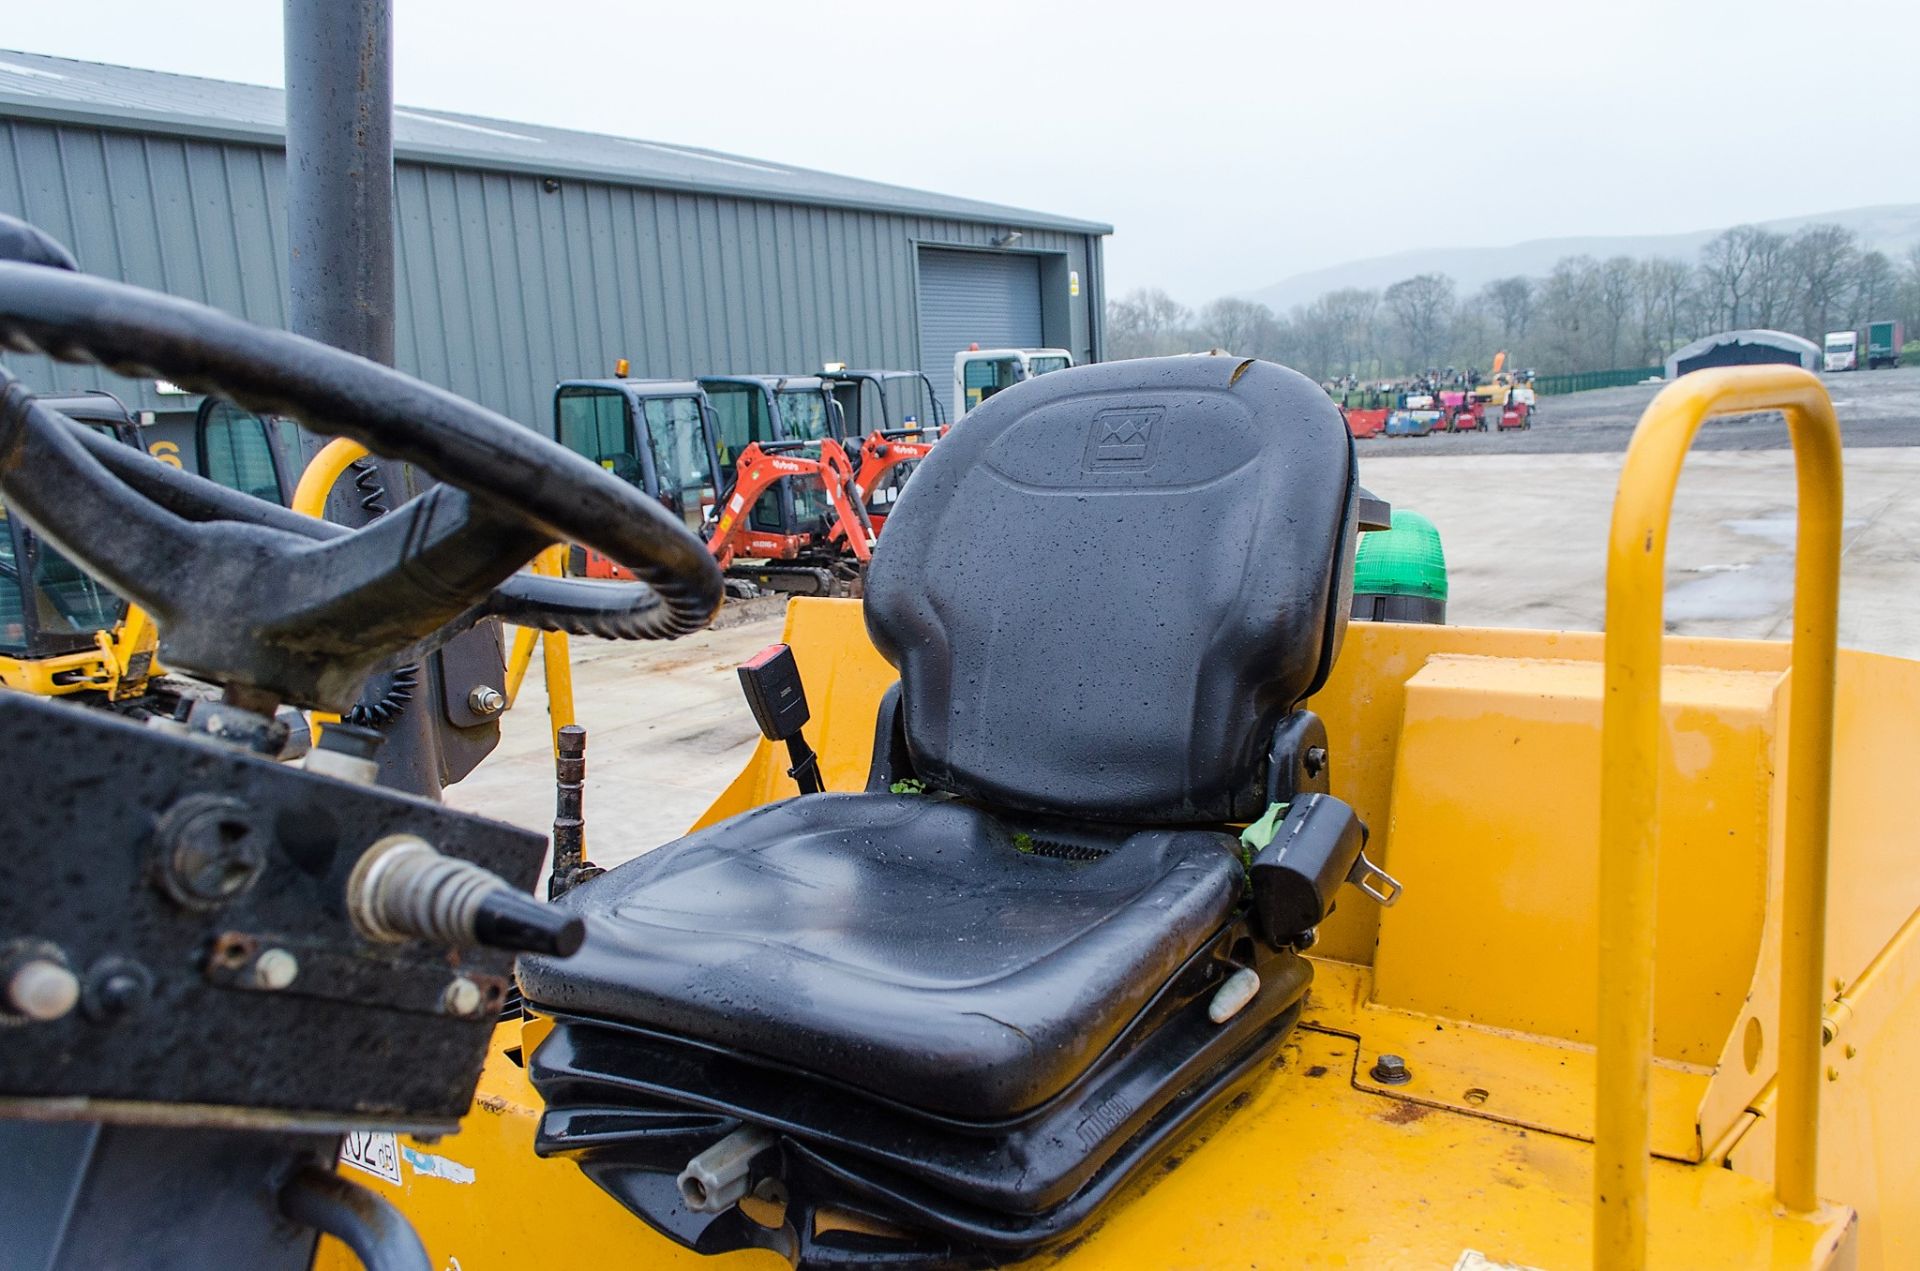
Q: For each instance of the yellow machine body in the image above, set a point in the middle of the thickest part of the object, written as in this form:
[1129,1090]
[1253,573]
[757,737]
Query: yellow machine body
[1474,756]
[120,664]
[1478,757]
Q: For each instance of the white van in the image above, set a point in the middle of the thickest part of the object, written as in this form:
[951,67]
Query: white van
[1842,351]
[980,373]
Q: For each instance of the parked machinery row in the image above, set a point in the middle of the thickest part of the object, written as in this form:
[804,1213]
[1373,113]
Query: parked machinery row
[1463,402]
[788,478]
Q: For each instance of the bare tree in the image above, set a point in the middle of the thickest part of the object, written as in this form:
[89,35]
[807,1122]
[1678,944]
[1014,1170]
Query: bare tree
[1565,307]
[1422,309]
[1236,325]
[1910,290]
[1662,286]
[1771,280]
[1144,323]
[1585,314]
[1510,300]
[1352,312]
[1821,258]
[1317,335]
[1726,266]
[1873,287]
[1613,294]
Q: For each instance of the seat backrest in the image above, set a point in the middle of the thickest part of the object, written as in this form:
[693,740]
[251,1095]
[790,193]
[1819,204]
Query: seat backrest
[1104,588]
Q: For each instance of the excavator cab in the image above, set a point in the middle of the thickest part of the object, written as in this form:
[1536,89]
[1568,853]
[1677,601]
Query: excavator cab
[885,401]
[777,409]
[888,421]
[656,435]
[978,374]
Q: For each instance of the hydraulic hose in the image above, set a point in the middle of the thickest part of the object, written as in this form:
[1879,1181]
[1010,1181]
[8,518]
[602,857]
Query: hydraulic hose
[367,1223]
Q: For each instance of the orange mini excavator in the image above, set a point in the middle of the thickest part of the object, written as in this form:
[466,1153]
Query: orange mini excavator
[788,519]
[891,419]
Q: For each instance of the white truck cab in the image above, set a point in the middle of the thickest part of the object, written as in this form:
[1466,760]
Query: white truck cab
[1842,350]
[980,373]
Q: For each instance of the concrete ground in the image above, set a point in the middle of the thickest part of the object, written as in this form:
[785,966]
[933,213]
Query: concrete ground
[1525,537]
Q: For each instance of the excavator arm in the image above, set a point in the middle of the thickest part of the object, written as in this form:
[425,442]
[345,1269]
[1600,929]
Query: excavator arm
[732,535]
[881,451]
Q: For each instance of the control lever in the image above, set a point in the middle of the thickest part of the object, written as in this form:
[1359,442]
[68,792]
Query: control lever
[570,864]
[771,681]
[403,888]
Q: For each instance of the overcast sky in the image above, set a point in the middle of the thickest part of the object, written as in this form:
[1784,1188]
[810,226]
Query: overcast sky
[1231,145]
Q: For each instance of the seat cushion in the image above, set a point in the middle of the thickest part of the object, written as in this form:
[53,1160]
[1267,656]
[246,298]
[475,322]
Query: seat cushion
[914,948]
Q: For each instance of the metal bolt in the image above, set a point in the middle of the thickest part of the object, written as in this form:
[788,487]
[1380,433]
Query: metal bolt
[462,997]
[275,969]
[212,850]
[1391,1070]
[486,700]
[1316,759]
[120,992]
[41,989]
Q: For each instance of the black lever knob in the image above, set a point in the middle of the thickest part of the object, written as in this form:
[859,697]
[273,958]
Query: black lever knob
[403,888]
[508,920]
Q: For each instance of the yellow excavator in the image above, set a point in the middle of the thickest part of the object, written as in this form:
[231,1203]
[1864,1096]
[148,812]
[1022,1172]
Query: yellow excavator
[61,632]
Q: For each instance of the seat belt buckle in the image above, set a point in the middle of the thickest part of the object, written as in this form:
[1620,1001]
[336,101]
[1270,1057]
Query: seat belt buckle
[771,681]
[1302,856]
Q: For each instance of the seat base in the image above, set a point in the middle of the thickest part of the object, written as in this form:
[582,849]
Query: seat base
[632,1107]
[923,949]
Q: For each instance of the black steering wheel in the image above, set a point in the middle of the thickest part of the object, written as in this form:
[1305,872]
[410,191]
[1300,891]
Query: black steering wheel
[248,594]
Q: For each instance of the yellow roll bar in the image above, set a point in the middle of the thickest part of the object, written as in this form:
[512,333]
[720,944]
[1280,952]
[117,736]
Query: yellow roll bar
[554,654]
[1630,757]
[316,483]
[310,499]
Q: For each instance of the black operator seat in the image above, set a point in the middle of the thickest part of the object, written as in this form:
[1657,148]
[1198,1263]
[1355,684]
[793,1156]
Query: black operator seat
[1102,592]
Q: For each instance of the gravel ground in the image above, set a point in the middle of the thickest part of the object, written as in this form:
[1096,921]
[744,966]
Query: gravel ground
[1877,408]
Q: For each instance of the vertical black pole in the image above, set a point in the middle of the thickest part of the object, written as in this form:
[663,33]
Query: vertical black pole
[340,172]
[340,233]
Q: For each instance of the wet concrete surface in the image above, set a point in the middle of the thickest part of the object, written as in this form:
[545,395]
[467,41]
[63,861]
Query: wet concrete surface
[1876,408]
[1525,538]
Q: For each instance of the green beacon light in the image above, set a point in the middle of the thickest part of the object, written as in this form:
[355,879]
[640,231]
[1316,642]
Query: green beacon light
[1400,575]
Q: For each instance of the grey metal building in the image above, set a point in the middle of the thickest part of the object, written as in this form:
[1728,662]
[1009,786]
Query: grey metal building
[528,254]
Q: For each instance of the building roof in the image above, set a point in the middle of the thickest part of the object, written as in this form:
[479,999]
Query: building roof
[62,90]
[1803,349]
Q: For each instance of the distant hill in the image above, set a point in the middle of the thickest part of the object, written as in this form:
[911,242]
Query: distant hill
[1891,229]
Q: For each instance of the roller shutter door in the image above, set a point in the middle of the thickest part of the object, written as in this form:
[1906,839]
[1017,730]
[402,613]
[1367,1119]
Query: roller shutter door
[987,298]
